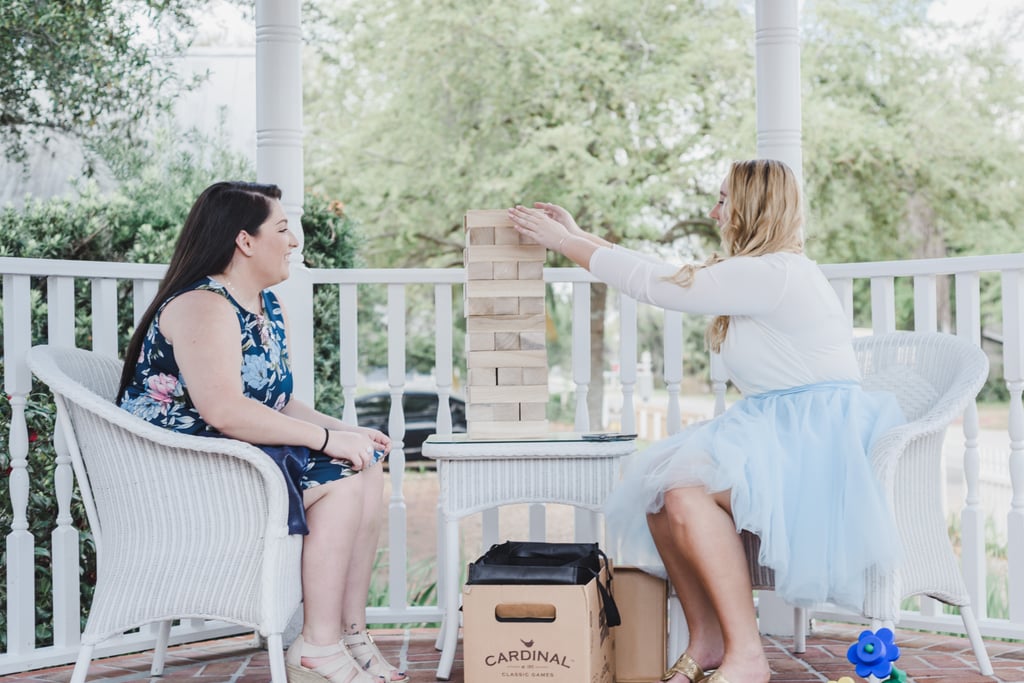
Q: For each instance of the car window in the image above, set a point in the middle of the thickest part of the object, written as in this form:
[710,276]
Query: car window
[374,404]
[418,404]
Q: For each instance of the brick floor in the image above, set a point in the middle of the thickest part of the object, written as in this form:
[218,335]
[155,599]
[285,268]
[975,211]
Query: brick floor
[927,658]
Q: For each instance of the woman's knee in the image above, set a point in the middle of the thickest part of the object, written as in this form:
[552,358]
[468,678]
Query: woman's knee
[683,505]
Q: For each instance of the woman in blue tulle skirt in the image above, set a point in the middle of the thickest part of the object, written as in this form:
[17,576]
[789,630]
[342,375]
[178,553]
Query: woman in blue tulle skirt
[789,461]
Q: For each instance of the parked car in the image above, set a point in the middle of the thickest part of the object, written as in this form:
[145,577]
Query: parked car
[374,410]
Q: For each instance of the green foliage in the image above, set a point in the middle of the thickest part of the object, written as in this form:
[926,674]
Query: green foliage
[609,109]
[92,69]
[927,160]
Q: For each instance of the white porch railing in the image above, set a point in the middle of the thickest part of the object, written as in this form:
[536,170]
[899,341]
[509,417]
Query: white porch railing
[22,279]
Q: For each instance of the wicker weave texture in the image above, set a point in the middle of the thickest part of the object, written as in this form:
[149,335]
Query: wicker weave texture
[185,526]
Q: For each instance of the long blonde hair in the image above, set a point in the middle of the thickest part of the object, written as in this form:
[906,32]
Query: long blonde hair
[763,215]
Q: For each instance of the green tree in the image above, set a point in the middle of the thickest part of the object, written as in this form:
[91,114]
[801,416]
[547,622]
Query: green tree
[91,69]
[914,137]
[623,113]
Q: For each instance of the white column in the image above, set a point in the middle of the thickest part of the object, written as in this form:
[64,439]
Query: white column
[279,161]
[777,53]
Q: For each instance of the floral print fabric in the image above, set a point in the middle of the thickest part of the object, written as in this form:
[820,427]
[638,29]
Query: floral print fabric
[158,393]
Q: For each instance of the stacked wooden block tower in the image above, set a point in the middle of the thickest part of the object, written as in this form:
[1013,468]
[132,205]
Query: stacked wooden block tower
[506,352]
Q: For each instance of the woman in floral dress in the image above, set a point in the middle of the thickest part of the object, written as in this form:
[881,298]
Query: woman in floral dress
[210,357]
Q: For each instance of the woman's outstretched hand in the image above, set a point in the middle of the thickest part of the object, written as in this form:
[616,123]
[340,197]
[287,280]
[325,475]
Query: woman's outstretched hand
[555,212]
[541,225]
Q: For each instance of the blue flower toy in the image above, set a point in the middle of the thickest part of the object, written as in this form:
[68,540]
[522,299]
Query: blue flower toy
[874,653]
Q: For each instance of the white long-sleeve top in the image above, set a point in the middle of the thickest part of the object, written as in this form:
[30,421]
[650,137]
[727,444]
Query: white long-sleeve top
[786,329]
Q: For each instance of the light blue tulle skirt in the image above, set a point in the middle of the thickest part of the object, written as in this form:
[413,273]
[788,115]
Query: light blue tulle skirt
[797,464]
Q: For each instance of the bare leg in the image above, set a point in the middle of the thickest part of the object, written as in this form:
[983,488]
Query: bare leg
[705,538]
[326,556]
[705,643]
[366,532]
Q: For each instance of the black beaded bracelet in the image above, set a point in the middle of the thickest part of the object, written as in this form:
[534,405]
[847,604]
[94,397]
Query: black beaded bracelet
[327,437]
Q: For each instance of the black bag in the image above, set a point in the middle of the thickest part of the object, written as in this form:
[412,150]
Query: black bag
[528,562]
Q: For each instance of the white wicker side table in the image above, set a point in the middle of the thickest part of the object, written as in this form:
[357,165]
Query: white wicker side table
[477,475]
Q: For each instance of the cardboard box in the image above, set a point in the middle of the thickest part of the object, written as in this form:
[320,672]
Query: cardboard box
[536,633]
[640,642]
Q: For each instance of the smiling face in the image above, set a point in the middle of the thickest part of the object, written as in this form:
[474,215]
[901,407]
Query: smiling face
[271,246]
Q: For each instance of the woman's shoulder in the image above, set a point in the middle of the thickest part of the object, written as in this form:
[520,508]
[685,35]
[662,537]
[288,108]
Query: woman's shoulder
[202,298]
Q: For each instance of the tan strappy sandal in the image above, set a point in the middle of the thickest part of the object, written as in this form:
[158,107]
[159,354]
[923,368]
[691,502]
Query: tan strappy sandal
[687,666]
[336,665]
[365,652]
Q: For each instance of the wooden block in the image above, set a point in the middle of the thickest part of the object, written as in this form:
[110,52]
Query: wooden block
[480,341]
[507,323]
[482,377]
[531,270]
[535,375]
[481,218]
[533,411]
[531,305]
[511,376]
[510,394]
[506,271]
[505,288]
[506,341]
[506,359]
[505,253]
[507,430]
[480,236]
[506,236]
[491,306]
[531,341]
[493,412]
[480,270]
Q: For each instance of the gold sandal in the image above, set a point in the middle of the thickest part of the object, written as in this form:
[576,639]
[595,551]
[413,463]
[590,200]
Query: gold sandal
[687,666]
[365,652]
[334,664]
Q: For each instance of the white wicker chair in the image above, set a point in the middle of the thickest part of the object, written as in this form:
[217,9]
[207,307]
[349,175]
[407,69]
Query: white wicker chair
[185,526]
[934,376]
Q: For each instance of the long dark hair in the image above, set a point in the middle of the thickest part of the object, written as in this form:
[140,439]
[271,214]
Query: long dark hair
[205,247]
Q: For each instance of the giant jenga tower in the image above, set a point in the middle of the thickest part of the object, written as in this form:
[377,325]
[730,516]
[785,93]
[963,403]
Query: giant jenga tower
[506,353]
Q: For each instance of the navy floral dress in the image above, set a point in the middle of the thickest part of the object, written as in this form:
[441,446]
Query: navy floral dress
[158,393]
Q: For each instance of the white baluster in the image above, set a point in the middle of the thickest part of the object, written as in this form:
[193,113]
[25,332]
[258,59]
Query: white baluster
[21,591]
[65,554]
[104,316]
[60,310]
[581,361]
[972,517]
[673,341]
[443,356]
[627,362]
[397,590]
[883,304]
[1013,373]
[925,304]
[581,351]
[348,345]
[143,293]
